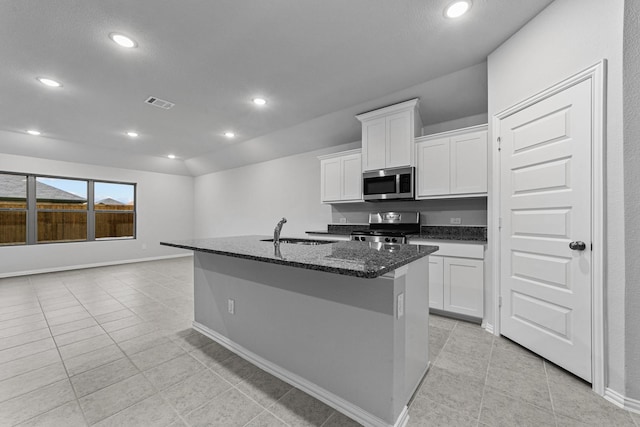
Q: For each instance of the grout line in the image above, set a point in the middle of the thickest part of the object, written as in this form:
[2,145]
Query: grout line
[486,376]
[546,376]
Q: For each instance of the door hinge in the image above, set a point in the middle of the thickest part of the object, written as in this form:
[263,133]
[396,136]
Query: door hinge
[499,144]
[500,223]
[499,301]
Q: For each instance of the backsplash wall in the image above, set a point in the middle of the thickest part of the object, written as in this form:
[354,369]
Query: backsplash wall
[471,211]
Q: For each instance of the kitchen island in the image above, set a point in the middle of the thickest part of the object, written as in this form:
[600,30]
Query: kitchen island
[346,322]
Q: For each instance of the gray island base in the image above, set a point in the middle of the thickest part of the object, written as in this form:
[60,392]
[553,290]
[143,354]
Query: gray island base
[346,322]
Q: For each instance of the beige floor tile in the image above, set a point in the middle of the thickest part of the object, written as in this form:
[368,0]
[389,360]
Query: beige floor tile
[457,392]
[26,350]
[532,389]
[11,323]
[19,311]
[103,376]
[59,320]
[299,409]
[85,346]
[143,342]
[115,325]
[195,391]
[115,398]
[93,359]
[264,388]
[32,380]
[79,335]
[67,415]
[154,356]
[32,404]
[173,371]
[132,332]
[211,354]
[24,338]
[501,410]
[28,363]
[469,364]
[22,329]
[190,339]
[235,369]
[231,408]
[266,419]
[66,328]
[340,420]
[152,411]
[114,315]
[425,412]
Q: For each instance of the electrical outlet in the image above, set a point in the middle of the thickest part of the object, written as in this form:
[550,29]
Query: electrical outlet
[400,312]
[231,306]
[455,220]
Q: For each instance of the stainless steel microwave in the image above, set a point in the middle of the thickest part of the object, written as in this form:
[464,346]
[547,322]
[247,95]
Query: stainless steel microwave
[388,184]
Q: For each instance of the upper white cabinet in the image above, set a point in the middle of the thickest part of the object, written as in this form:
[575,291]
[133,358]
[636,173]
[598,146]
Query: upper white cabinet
[388,135]
[341,177]
[452,163]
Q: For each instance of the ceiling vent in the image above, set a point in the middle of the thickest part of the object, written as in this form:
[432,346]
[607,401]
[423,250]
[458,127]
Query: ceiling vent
[160,103]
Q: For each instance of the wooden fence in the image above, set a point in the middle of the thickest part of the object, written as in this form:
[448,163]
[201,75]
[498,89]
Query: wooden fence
[111,221]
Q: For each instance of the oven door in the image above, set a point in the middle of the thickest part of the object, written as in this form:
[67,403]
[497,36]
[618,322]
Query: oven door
[388,184]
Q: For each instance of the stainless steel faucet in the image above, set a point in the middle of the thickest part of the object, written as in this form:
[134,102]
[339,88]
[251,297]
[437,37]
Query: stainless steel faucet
[277,230]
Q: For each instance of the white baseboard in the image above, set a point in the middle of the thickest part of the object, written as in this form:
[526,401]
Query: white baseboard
[325,396]
[622,401]
[92,265]
[488,327]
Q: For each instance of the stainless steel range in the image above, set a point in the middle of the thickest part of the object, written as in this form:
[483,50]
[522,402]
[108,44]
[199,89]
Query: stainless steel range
[389,227]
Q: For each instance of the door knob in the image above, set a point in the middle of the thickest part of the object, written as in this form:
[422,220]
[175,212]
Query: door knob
[577,246]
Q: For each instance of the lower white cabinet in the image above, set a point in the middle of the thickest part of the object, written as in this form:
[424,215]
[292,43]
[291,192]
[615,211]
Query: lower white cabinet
[456,278]
[463,286]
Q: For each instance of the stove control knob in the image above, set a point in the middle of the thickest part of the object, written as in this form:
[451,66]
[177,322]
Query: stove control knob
[362,238]
[394,240]
[386,239]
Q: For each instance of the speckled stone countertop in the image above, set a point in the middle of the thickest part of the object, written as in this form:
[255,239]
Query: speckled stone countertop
[358,259]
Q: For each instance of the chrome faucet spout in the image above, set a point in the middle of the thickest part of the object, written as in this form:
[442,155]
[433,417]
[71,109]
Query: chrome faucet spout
[277,230]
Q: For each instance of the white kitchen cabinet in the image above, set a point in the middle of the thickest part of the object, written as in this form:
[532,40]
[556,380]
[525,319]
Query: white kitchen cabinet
[453,163]
[341,177]
[388,135]
[456,277]
[436,282]
[463,286]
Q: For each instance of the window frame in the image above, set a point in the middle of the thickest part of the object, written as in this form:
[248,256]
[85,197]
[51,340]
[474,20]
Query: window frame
[32,210]
[25,210]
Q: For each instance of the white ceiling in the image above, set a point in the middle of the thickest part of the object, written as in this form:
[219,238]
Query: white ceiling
[318,63]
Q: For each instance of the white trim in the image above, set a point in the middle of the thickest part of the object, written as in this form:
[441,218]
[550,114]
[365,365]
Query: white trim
[488,327]
[597,74]
[411,104]
[620,400]
[336,402]
[455,132]
[92,265]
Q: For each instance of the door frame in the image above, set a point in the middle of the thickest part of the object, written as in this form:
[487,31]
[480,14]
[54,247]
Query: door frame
[597,75]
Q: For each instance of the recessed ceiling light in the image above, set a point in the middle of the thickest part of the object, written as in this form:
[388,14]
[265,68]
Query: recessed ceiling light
[171,156]
[259,101]
[457,9]
[229,134]
[123,40]
[132,134]
[49,82]
[33,132]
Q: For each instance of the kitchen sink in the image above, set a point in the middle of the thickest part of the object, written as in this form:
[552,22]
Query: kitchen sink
[301,241]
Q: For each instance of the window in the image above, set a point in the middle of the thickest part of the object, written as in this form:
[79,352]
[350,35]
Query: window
[40,209]
[13,209]
[114,210]
[62,209]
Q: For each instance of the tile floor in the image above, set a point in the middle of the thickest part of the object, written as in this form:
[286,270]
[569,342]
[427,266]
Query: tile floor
[112,346]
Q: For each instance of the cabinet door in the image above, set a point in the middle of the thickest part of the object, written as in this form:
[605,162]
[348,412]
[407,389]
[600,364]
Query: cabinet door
[373,144]
[351,177]
[331,181]
[399,139]
[463,286]
[433,167]
[436,278]
[469,163]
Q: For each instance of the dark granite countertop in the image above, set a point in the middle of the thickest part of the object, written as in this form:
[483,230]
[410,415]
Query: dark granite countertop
[358,259]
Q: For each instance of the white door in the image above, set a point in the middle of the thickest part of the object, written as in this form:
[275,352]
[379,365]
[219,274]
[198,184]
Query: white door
[374,136]
[399,140]
[545,207]
[331,179]
[464,286]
